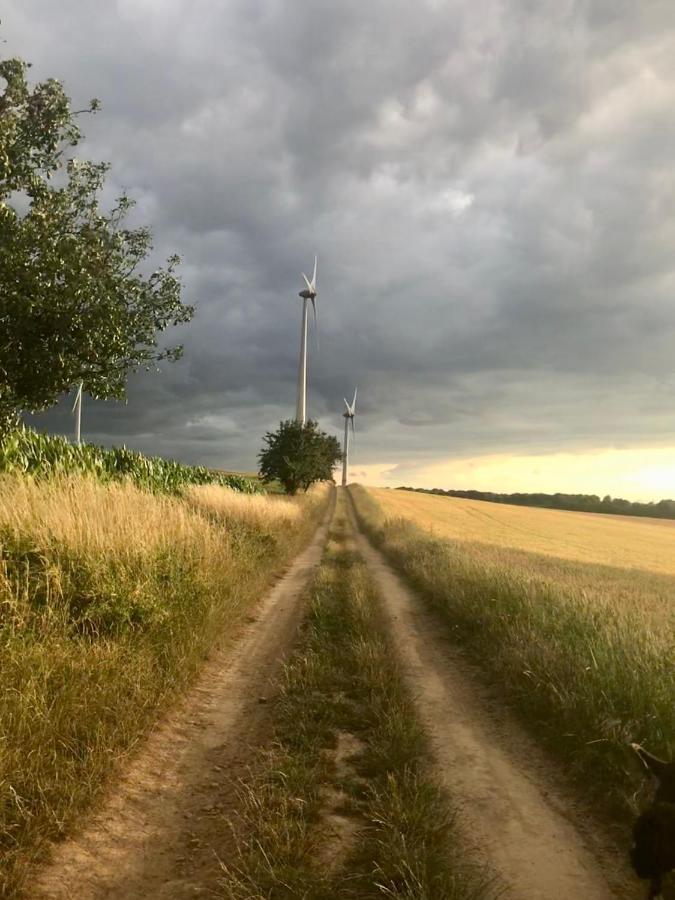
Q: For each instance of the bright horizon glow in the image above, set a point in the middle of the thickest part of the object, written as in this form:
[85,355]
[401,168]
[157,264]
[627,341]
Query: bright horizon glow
[634,474]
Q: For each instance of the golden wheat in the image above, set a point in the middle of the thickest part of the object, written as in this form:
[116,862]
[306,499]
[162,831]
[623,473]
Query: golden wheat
[621,541]
[585,650]
[253,509]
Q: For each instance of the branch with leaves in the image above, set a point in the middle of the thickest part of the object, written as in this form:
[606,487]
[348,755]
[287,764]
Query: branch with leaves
[75,305]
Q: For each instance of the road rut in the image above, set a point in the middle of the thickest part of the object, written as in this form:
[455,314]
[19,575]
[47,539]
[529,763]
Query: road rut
[161,832]
[531,835]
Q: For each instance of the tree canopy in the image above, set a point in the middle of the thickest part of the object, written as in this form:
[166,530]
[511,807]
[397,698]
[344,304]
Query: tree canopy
[74,304]
[298,455]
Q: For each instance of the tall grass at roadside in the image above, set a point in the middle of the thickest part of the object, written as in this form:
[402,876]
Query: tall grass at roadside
[585,659]
[343,806]
[110,598]
[254,510]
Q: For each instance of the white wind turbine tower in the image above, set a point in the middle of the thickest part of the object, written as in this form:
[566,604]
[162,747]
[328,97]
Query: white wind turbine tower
[349,418]
[77,412]
[308,296]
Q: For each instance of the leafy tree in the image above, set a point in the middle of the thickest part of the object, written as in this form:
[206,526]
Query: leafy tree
[298,455]
[73,304]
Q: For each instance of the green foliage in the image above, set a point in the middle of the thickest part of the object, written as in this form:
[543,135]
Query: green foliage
[27,452]
[73,305]
[94,599]
[298,455]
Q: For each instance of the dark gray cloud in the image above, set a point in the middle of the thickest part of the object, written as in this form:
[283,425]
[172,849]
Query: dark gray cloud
[489,188]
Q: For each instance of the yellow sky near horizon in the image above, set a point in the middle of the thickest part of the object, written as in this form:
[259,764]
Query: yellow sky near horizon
[635,474]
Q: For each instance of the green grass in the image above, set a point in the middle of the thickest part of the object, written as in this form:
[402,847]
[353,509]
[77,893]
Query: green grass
[110,599]
[586,665]
[343,805]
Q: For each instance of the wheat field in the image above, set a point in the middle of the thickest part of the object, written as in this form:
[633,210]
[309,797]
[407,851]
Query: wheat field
[621,541]
[571,613]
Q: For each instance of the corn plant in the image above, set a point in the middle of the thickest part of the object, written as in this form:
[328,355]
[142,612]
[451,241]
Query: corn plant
[28,452]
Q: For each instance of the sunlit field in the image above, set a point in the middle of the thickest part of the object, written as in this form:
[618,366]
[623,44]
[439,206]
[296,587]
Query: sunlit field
[110,598]
[585,649]
[621,541]
[254,509]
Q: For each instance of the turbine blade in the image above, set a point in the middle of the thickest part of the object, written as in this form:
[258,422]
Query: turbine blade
[316,322]
[309,286]
[354,400]
[314,275]
[78,398]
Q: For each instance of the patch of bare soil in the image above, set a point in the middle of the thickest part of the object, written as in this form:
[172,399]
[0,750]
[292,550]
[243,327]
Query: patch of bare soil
[341,828]
[539,840]
[162,833]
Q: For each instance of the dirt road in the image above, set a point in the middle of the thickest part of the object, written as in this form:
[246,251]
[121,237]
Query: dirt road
[511,808]
[159,834]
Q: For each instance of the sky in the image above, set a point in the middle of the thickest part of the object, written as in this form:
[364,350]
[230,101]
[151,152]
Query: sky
[489,187]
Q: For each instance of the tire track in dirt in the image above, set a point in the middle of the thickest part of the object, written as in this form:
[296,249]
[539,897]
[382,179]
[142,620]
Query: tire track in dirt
[514,812]
[161,831]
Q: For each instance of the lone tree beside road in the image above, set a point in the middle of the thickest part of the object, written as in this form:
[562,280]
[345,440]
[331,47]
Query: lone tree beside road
[74,306]
[297,455]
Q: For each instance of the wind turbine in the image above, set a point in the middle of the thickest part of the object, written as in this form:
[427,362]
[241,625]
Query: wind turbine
[77,412]
[308,296]
[349,418]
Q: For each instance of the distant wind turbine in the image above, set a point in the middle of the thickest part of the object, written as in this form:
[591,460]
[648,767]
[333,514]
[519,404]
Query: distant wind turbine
[77,412]
[308,295]
[349,418]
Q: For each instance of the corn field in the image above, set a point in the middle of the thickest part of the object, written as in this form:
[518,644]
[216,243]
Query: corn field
[24,451]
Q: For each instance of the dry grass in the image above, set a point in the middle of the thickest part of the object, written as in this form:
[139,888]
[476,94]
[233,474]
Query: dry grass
[620,541]
[110,598]
[87,516]
[342,807]
[254,509]
[585,651]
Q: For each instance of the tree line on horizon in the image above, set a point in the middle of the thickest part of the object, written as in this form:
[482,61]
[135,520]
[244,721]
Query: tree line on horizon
[617,506]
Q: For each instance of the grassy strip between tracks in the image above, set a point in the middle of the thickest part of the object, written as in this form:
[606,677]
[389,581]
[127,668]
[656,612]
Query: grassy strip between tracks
[586,653]
[110,599]
[343,805]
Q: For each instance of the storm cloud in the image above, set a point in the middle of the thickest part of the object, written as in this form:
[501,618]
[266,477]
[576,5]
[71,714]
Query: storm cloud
[489,187]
